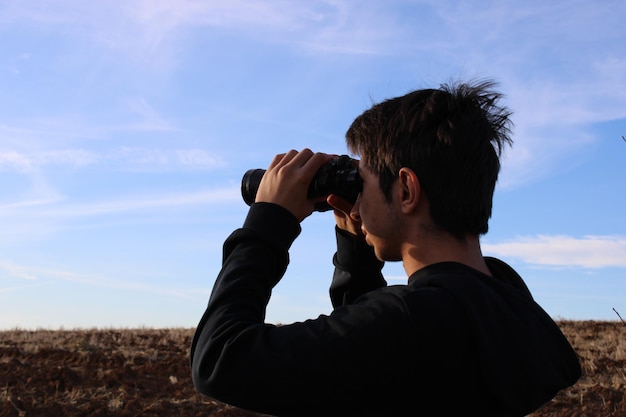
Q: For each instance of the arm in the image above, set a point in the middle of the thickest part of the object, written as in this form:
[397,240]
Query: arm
[317,367]
[357,270]
[255,258]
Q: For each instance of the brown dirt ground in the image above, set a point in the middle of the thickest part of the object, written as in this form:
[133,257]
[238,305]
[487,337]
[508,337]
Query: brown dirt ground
[145,372]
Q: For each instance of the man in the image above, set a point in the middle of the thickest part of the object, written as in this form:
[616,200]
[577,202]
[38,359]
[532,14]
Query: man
[463,337]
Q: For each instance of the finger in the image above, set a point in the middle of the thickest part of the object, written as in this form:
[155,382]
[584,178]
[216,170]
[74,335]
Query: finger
[308,163]
[282,159]
[301,158]
[318,159]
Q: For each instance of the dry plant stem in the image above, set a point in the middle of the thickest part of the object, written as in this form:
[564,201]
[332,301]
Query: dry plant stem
[620,317]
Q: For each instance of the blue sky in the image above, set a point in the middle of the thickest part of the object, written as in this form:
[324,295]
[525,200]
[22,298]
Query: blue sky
[125,129]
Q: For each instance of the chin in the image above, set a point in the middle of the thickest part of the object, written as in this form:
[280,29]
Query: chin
[385,256]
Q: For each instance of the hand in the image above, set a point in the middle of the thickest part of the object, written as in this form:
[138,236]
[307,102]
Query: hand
[346,219]
[287,180]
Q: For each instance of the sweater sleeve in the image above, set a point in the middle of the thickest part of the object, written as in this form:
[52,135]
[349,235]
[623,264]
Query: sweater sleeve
[357,270]
[315,367]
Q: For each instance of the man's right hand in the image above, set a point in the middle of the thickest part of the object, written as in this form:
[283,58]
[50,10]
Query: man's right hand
[345,218]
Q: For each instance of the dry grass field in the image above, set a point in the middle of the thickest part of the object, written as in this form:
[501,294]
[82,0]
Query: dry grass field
[145,372]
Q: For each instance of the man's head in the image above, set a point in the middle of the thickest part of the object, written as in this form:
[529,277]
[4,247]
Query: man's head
[451,137]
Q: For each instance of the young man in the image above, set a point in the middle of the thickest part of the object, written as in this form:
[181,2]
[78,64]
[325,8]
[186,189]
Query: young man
[463,337]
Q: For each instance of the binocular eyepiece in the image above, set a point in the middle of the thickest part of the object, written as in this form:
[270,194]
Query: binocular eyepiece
[338,176]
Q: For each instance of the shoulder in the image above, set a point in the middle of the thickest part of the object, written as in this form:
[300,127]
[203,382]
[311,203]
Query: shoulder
[421,308]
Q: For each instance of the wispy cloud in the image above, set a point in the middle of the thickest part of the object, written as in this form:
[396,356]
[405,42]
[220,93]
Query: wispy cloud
[23,287]
[35,273]
[138,203]
[17,271]
[126,157]
[323,26]
[175,200]
[564,251]
[198,158]
[144,29]
[561,66]
[15,161]
[146,158]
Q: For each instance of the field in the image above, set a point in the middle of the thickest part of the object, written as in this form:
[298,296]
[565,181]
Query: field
[145,372]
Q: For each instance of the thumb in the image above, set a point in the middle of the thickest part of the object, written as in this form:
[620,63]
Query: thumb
[340,204]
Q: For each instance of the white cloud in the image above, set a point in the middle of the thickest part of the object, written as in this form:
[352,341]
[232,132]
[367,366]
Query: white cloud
[327,25]
[561,66]
[25,162]
[35,273]
[198,158]
[21,288]
[564,251]
[152,29]
[145,158]
[144,203]
[68,157]
[126,157]
[131,156]
[15,161]
[17,271]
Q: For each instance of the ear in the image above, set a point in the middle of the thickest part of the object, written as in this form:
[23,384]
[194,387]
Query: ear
[410,190]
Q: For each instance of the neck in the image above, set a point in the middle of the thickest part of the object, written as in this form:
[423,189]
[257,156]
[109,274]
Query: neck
[442,247]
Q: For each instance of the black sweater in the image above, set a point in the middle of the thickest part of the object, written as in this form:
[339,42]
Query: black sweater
[452,342]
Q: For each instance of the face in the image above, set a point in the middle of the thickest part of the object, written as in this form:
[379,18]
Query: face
[380,221]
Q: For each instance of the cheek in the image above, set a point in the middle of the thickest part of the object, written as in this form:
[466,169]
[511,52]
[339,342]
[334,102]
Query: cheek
[366,213]
[371,219]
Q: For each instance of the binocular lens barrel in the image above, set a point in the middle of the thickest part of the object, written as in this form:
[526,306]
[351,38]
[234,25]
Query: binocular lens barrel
[338,176]
[250,184]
